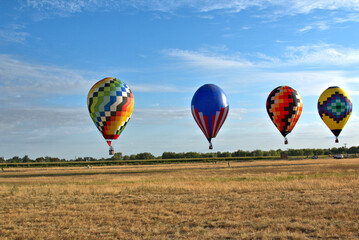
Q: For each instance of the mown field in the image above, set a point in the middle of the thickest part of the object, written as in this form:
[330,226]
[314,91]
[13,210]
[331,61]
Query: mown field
[302,199]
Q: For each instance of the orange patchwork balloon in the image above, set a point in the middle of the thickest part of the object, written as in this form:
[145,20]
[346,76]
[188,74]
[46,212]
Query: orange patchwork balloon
[284,107]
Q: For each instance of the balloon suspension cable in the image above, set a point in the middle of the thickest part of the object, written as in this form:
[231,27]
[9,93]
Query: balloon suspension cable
[210,146]
[336,139]
[285,140]
[111,151]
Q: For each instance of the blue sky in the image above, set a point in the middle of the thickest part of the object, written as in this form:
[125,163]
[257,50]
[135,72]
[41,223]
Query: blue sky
[53,51]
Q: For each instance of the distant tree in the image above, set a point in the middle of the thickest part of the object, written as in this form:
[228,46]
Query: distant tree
[2,159]
[14,159]
[257,153]
[273,153]
[353,150]
[224,154]
[340,150]
[26,159]
[53,159]
[40,159]
[240,153]
[327,152]
[144,155]
[117,156]
[168,155]
[192,155]
[307,152]
[292,152]
[318,152]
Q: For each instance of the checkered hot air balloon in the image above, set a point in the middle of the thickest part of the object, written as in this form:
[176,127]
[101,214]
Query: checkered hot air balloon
[284,106]
[210,109]
[110,103]
[335,108]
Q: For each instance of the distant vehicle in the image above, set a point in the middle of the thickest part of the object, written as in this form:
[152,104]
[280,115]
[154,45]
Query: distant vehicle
[315,157]
[339,156]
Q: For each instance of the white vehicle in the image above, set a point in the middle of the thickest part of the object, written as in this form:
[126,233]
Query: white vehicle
[338,156]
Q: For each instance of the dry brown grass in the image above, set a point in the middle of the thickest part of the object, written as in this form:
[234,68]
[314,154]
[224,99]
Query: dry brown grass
[257,200]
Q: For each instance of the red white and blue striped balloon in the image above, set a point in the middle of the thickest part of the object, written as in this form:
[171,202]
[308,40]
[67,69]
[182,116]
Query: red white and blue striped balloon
[210,109]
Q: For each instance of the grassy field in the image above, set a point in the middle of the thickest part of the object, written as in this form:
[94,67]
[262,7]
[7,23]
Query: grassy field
[299,199]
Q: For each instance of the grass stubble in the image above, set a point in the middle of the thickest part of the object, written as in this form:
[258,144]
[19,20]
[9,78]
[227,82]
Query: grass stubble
[304,199]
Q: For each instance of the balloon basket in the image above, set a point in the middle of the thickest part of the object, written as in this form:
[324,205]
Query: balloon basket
[111,151]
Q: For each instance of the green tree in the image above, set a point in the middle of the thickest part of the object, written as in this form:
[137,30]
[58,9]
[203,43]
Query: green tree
[14,159]
[117,156]
[26,159]
[144,155]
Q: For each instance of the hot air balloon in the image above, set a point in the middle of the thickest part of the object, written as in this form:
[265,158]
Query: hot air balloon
[110,104]
[210,109]
[284,106]
[335,107]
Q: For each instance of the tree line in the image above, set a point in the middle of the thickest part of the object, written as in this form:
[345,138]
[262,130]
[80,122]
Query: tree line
[308,152]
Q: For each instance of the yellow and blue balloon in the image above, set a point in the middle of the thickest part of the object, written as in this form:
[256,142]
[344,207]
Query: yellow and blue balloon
[335,108]
[110,103]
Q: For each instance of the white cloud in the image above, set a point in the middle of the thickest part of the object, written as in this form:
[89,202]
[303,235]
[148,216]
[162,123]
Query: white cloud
[207,60]
[238,113]
[21,120]
[322,55]
[352,17]
[310,83]
[160,115]
[13,33]
[278,7]
[326,64]
[318,25]
[307,6]
[155,88]
[27,82]
[314,56]
[20,78]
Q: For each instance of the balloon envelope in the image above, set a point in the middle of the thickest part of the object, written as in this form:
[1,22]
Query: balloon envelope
[284,107]
[335,107]
[210,109]
[110,103]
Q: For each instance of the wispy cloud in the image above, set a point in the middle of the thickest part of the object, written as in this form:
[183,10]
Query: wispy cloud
[318,25]
[156,88]
[351,17]
[207,60]
[310,83]
[291,7]
[322,55]
[309,68]
[159,115]
[13,33]
[20,78]
[330,21]
[18,120]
